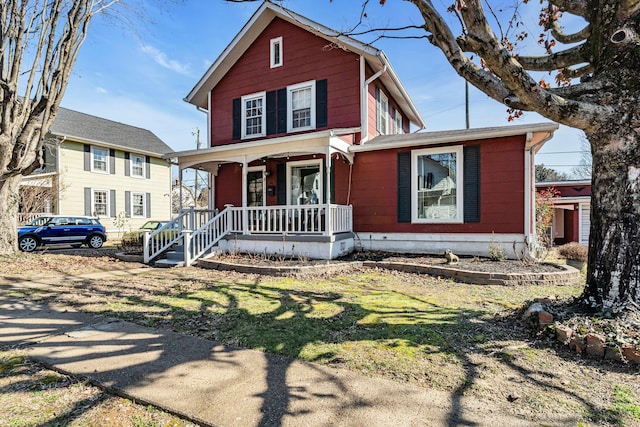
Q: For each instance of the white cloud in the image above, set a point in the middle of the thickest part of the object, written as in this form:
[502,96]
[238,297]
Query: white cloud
[161,58]
[100,89]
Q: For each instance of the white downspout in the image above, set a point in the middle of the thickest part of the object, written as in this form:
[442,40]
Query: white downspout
[529,218]
[364,96]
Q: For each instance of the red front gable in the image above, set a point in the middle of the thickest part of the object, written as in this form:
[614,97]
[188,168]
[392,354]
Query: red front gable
[306,57]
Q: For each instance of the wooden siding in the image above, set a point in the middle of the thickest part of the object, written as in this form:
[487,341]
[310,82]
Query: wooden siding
[374,191]
[228,185]
[305,57]
[74,179]
[371,108]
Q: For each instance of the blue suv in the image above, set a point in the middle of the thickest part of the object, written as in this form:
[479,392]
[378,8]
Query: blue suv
[61,229]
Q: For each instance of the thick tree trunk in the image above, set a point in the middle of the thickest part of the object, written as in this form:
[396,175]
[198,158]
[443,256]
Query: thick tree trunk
[613,272]
[9,200]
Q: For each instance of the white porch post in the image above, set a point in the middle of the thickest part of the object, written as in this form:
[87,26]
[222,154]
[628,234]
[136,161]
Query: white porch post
[245,218]
[327,214]
[180,170]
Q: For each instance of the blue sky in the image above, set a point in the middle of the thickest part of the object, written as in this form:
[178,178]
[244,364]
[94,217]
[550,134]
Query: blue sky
[139,72]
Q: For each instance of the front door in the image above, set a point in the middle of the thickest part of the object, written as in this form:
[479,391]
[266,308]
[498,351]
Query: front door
[305,183]
[255,188]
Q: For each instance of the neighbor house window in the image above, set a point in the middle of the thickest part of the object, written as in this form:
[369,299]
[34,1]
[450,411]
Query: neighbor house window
[137,166]
[437,185]
[100,202]
[99,160]
[276,52]
[138,204]
[253,123]
[382,112]
[301,101]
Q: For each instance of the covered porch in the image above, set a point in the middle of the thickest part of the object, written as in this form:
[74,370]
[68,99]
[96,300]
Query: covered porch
[272,196]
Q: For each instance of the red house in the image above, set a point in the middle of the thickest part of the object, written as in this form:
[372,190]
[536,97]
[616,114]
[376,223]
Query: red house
[571,211]
[311,153]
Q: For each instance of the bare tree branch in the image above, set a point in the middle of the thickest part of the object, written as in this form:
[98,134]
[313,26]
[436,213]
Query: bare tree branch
[558,34]
[555,61]
[575,7]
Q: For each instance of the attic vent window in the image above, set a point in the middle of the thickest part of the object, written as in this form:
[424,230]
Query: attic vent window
[276,52]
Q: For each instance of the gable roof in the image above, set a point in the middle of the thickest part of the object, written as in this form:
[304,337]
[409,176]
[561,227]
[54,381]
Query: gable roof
[91,129]
[375,58]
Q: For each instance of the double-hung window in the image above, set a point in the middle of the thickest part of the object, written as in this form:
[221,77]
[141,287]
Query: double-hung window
[397,117]
[138,205]
[436,185]
[137,166]
[253,114]
[382,112]
[100,202]
[301,102]
[99,160]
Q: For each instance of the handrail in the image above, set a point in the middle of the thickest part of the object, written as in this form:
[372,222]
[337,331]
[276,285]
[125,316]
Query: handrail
[205,237]
[161,239]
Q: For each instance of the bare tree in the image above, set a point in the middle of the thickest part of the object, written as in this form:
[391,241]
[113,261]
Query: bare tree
[39,43]
[585,164]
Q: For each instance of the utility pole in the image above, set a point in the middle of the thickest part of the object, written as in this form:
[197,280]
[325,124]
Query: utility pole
[466,102]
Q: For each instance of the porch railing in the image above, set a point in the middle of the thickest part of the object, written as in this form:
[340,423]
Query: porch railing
[323,219]
[199,230]
[204,238]
[24,218]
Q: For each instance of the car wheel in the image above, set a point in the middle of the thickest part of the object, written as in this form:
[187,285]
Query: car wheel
[28,243]
[95,241]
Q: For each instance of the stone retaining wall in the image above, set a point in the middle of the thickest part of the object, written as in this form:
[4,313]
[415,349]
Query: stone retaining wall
[565,275]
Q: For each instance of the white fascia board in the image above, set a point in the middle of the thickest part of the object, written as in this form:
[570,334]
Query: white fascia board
[545,184]
[571,200]
[428,138]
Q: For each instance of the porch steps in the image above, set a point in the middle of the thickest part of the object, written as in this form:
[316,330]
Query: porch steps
[174,258]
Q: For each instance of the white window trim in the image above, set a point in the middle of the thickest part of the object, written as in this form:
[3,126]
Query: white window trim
[397,117]
[382,115]
[263,169]
[310,84]
[144,166]
[458,150]
[290,165]
[108,161]
[275,42]
[244,99]
[144,204]
[93,202]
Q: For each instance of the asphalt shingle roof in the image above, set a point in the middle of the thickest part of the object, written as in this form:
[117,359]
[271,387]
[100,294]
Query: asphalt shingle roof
[73,124]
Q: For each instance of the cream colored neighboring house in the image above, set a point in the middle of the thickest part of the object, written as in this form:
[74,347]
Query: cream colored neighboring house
[107,169]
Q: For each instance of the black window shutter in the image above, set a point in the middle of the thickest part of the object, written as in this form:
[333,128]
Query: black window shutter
[321,103]
[281,182]
[404,187]
[282,110]
[127,164]
[87,202]
[471,183]
[87,157]
[147,161]
[237,118]
[112,161]
[272,110]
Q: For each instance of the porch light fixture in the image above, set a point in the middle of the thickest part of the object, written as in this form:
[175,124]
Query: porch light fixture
[267,173]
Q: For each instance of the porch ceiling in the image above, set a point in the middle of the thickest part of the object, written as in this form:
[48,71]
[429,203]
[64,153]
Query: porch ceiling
[325,143]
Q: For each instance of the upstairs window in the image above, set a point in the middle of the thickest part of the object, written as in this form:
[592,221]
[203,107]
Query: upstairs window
[397,117]
[276,52]
[302,102]
[382,112]
[253,123]
[100,160]
[137,166]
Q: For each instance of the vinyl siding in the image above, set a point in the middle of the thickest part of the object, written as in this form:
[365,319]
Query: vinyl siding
[74,179]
